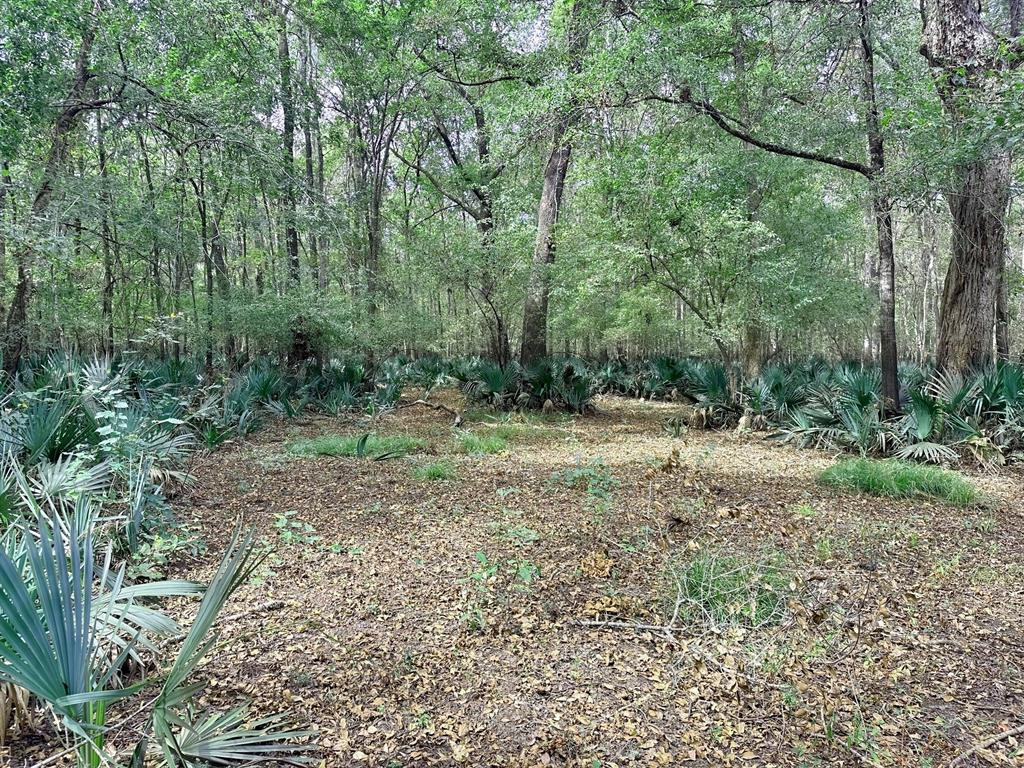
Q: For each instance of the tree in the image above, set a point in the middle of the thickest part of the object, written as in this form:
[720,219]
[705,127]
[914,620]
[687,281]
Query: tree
[535,308]
[971,64]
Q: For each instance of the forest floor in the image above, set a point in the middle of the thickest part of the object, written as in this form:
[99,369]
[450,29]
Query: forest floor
[519,612]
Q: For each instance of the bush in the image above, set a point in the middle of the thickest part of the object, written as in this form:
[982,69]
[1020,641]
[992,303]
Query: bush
[368,445]
[900,479]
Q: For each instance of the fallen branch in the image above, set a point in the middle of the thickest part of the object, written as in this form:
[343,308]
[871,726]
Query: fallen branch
[270,605]
[986,744]
[456,416]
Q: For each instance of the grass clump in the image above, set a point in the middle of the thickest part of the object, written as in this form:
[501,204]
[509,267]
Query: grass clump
[726,590]
[438,470]
[368,445]
[479,444]
[901,480]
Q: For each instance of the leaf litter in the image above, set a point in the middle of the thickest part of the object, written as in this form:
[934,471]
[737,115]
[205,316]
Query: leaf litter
[510,618]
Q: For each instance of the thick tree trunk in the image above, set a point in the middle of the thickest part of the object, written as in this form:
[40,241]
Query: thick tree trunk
[978,206]
[967,60]
[882,207]
[882,210]
[535,311]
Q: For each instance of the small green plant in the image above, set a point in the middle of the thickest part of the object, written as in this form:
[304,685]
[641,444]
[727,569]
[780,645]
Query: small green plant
[438,470]
[593,476]
[675,426]
[491,581]
[722,589]
[824,550]
[151,558]
[516,532]
[900,479]
[292,531]
[480,444]
[804,512]
[367,445]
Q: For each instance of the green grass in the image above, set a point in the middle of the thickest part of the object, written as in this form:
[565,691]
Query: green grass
[723,589]
[901,480]
[374,446]
[439,470]
[478,443]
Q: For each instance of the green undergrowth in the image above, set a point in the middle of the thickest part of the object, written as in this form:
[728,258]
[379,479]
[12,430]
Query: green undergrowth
[901,480]
[481,443]
[369,446]
[438,470]
[722,589]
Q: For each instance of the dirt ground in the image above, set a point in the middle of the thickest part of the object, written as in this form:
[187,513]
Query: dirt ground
[507,616]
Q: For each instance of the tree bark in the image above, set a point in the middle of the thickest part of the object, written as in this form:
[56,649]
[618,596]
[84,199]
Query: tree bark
[291,234]
[967,61]
[535,309]
[107,296]
[977,202]
[5,186]
[882,209]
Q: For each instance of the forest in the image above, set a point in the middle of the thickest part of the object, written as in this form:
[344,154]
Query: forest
[589,383]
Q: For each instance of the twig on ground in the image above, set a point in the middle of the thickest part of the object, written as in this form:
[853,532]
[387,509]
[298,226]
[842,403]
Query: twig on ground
[270,605]
[456,416]
[959,759]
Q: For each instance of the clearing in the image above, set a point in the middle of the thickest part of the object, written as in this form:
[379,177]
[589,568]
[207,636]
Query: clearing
[516,608]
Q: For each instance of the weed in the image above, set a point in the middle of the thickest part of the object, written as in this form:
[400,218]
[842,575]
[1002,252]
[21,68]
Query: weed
[981,524]
[946,566]
[438,470]
[900,479]
[367,445]
[292,531]
[727,590]
[481,444]
[594,476]
[805,512]
[824,550]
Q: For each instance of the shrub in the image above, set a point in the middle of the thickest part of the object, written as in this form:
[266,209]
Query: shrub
[438,470]
[900,479]
[719,589]
[368,445]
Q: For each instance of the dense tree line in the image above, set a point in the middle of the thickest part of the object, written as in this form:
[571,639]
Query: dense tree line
[752,180]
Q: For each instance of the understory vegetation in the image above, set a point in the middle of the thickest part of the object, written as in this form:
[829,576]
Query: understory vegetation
[901,480]
[94,452]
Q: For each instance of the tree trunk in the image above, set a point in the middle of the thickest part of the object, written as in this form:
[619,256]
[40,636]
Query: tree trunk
[5,187]
[882,210]
[882,207]
[107,298]
[291,234]
[535,311]
[310,193]
[978,206]
[968,62]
